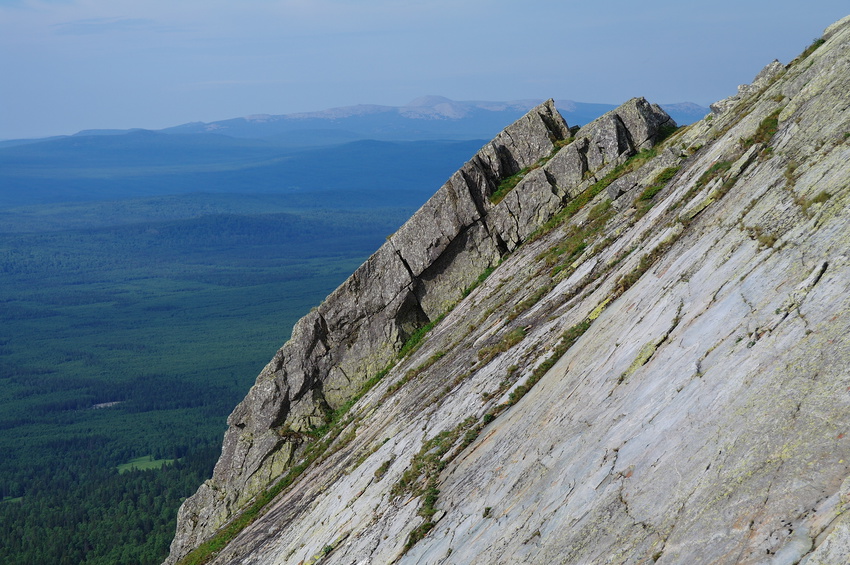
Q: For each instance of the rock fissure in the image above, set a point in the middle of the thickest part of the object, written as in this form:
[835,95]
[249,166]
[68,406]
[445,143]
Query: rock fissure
[477,196]
[625,503]
[407,268]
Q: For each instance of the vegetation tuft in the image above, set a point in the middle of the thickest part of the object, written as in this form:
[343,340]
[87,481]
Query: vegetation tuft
[817,42]
[415,340]
[506,185]
[481,278]
[572,245]
[646,261]
[712,173]
[645,200]
[766,129]
[485,354]
[421,478]
[413,373]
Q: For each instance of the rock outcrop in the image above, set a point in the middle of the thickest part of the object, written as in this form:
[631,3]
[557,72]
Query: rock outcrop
[411,280]
[638,353]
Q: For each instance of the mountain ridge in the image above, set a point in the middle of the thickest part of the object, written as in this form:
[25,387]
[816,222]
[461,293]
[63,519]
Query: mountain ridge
[427,117]
[605,345]
[430,115]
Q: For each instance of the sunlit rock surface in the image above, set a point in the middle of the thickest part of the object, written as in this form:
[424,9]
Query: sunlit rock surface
[687,344]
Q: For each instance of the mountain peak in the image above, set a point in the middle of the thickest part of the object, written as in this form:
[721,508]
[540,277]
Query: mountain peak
[428,101]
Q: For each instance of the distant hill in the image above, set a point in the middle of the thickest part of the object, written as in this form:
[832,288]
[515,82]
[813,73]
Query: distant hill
[623,344]
[405,149]
[143,164]
[428,117]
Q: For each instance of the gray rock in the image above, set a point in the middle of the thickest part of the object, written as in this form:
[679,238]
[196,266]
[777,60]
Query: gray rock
[765,76]
[698,412]
[414,277]
[635,125]
[569,167]
[420,273]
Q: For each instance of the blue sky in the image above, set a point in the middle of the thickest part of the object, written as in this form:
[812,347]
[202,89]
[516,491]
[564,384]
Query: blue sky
[68,65]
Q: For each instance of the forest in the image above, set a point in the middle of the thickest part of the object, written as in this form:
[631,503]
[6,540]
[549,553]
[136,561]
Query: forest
[145,280]
[146,277]
[130,330]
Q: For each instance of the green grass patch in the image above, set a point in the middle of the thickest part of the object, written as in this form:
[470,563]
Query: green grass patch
[567,340]
[413,373]
[806,203]
[415,339]
[809,50]
[766,129]
[820,198]
[383,468]
[646,261]
[422,477]
[507,184]
[644,201]
[485,354]
[481,278]
[143,464]
[716,170]
[659,183]
[575,241]
[530,301]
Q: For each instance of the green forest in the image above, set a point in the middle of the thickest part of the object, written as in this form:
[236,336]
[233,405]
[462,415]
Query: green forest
[130,330]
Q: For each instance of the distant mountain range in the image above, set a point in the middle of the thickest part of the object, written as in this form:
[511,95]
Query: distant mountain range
[400,152]
[426,118]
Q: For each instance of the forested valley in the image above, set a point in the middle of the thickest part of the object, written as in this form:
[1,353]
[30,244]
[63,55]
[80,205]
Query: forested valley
[145,280]
[122,350]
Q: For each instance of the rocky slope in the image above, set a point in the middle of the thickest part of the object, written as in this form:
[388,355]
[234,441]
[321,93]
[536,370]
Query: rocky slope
[604,345]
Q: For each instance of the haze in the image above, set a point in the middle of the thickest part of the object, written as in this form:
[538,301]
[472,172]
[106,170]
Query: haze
[69,65]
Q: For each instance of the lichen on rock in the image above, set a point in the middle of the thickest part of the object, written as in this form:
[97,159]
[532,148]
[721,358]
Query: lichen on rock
[658,379]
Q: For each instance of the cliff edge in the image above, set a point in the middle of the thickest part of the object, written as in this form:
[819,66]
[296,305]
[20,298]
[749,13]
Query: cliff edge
[613,344]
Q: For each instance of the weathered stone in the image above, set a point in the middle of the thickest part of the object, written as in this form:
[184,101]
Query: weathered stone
[644,122]
[700,415]
[623,184]
[524,209]
[768,73]
[413,278]
[569,166]
[635,125]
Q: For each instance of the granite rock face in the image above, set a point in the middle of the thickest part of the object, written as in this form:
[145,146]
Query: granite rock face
[417,275]
[656,370]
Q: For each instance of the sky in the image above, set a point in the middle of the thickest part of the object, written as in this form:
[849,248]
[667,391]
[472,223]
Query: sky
[71,65]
